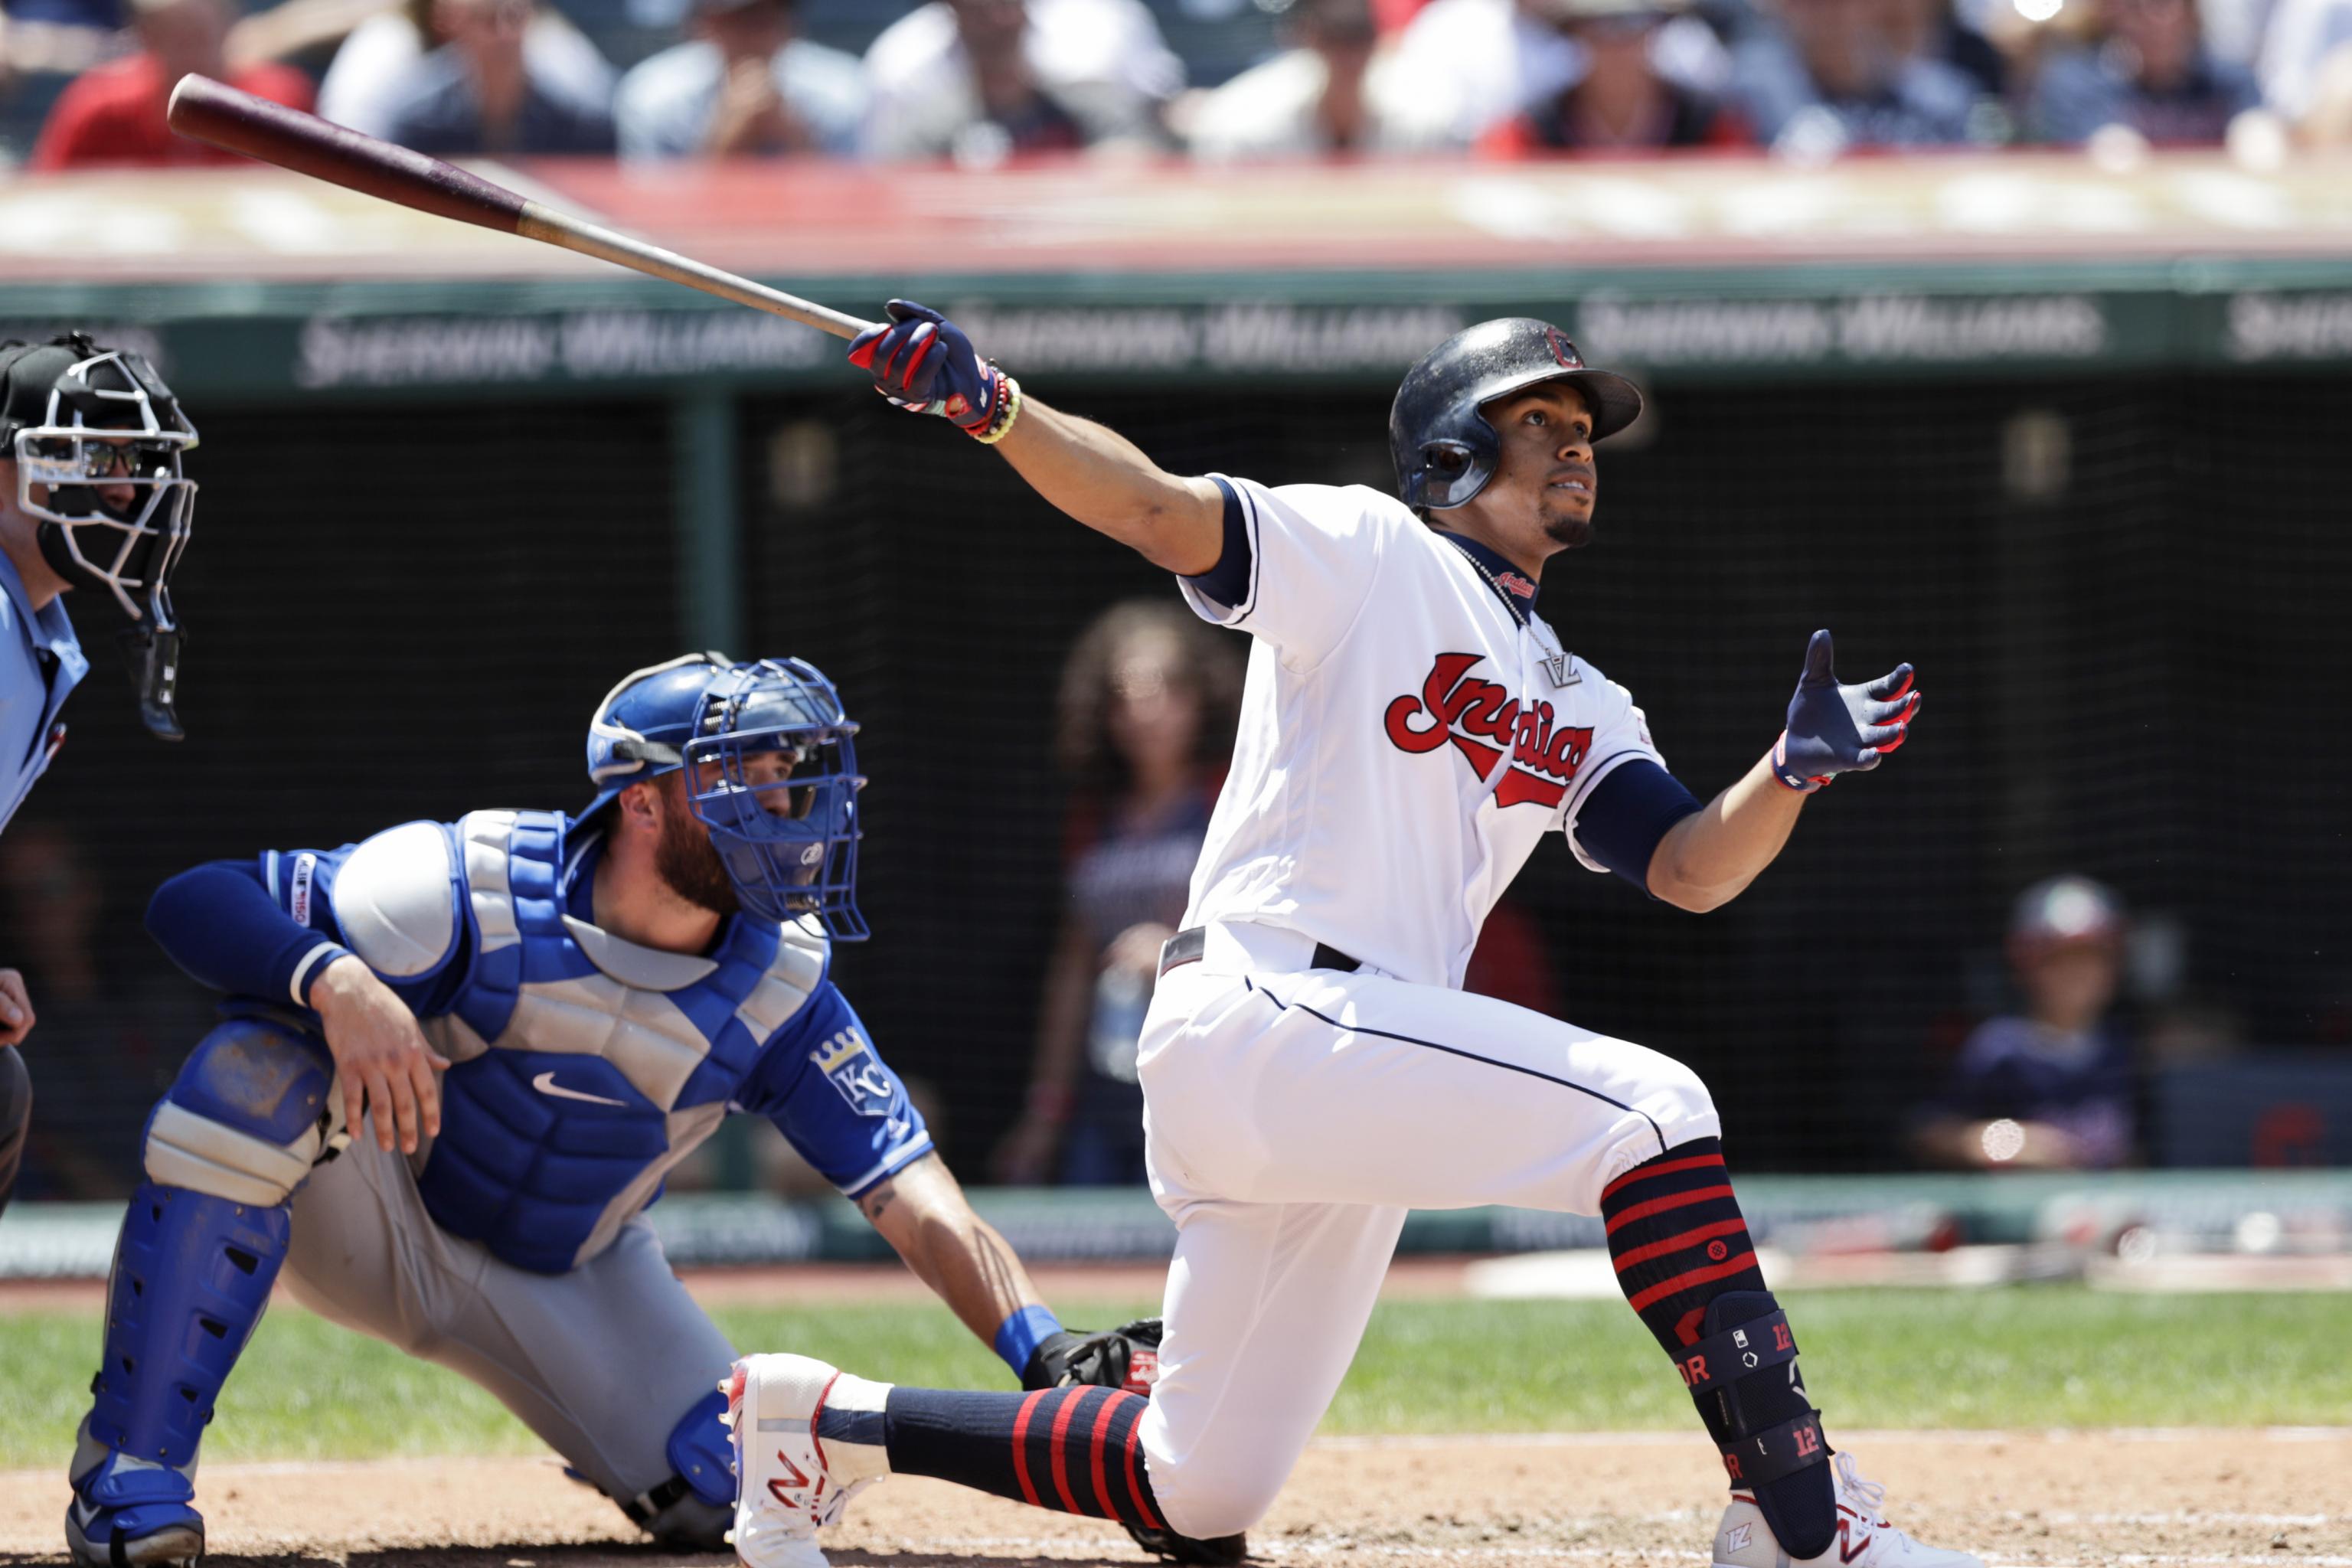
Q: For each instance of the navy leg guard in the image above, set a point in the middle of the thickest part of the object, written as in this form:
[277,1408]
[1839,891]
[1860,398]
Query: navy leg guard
[1742,1374]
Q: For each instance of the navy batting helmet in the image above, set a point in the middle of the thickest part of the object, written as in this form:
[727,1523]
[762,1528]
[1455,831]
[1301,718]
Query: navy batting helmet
[788,836]
[1446,451]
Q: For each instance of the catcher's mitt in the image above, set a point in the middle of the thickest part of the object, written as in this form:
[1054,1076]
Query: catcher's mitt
[1126,1357]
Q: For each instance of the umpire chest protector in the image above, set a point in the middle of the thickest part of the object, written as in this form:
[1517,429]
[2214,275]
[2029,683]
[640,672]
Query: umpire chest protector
[584,1066]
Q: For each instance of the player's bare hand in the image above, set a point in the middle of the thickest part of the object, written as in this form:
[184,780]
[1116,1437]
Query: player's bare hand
[381,1055]
[1835,729]
[16,1016]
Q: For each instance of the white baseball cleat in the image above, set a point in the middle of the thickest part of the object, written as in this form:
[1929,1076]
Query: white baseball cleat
[1864,1539]
[789,1483]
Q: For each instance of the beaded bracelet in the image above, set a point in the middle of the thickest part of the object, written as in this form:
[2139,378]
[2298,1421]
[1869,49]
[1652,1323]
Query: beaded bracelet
[1008,409]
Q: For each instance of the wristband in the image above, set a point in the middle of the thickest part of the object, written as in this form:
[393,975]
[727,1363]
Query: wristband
[1018,1337]
[1008,409]
[1790,777]
[314,964]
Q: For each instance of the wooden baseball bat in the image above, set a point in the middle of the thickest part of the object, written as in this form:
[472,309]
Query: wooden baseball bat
[207,110]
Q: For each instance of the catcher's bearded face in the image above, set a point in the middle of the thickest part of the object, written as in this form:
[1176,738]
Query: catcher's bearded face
[1545,484]
[683,856]
[685,859]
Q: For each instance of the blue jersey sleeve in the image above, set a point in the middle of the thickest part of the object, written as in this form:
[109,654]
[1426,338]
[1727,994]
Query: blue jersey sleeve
[821,1083]
[228,925]
[266,928]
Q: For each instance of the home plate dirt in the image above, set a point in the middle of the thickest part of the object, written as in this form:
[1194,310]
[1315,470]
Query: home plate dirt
[2059,1500]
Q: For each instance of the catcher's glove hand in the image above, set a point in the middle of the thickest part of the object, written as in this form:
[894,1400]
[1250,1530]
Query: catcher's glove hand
[1126,1357]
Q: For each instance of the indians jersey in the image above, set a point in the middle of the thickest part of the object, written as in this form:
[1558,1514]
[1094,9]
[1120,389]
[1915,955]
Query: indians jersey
[1409,733]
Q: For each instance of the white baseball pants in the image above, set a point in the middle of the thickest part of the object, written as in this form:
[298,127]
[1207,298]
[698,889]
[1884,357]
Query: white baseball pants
[1291,1120]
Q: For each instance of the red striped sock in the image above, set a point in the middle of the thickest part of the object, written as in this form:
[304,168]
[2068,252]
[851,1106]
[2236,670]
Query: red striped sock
[1074,1450]
[1679,1243]
[1677,1238]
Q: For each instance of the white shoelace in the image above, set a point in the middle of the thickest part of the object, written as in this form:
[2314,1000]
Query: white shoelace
[1868,1497]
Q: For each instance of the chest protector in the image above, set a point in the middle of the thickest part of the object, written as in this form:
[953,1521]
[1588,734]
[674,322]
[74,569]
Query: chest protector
[584,1066]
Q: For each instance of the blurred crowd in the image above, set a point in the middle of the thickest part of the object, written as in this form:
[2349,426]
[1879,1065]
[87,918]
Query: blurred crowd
[980,81]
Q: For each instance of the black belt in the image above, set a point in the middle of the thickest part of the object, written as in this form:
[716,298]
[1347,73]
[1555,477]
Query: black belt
[1186,947]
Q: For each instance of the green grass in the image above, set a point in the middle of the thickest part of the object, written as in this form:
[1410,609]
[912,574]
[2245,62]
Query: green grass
[2051,1356]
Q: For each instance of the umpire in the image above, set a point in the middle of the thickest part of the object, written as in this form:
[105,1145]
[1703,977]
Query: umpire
[91,496]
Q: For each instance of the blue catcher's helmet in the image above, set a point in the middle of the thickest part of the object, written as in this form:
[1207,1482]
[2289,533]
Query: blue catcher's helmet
[788,836]
[1445,449]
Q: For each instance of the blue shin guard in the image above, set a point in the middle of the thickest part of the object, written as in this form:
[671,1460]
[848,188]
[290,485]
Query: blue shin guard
[192,1274]
[202,1243]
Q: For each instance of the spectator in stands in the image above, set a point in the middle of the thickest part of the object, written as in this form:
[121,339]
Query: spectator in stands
[1624,98]
[2307,62]
[63,37]
[1332,92]
[114,114]
[1148,702]
[1827,76]
[983,80]
[1467,65]
[479,93]
[2053,1087]
[1932,29]
[376,67]
[745,84]
[2148,73]
[2328,121]
[104,14]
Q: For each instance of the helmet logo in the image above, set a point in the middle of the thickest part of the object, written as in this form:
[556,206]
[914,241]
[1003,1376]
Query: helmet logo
[1562,350]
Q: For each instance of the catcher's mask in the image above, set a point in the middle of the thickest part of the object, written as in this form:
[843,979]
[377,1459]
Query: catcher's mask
[80,420]
[770,770]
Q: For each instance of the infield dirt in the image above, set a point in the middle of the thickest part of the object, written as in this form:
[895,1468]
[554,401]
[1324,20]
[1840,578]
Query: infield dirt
[2054,1499]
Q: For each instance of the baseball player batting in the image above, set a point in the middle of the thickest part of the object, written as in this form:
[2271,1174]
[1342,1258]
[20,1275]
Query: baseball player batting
[1409,731]
[593,995]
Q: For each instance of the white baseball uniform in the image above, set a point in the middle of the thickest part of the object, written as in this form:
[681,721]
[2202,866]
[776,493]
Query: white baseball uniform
[1408,734]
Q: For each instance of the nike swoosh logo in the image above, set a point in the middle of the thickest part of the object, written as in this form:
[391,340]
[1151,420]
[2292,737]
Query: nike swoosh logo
[545,1083]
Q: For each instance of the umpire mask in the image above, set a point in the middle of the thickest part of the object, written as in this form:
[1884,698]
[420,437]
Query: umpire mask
[97,438]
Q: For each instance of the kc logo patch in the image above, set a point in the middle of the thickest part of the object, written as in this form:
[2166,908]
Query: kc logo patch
[849,1065]
[1486,724]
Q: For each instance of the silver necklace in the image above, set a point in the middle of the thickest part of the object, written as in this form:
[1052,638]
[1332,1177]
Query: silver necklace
[1554,659]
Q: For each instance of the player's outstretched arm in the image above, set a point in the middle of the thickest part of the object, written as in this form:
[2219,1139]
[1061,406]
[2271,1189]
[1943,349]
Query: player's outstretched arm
[923,362]
[921,1211]
[1708,858]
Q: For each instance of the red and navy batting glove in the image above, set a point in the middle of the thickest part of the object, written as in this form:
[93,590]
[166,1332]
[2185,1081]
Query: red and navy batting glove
[922,361]
[1836,729]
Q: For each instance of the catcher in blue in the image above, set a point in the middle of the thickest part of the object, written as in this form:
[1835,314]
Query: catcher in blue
[457,1063]
[1411,731]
